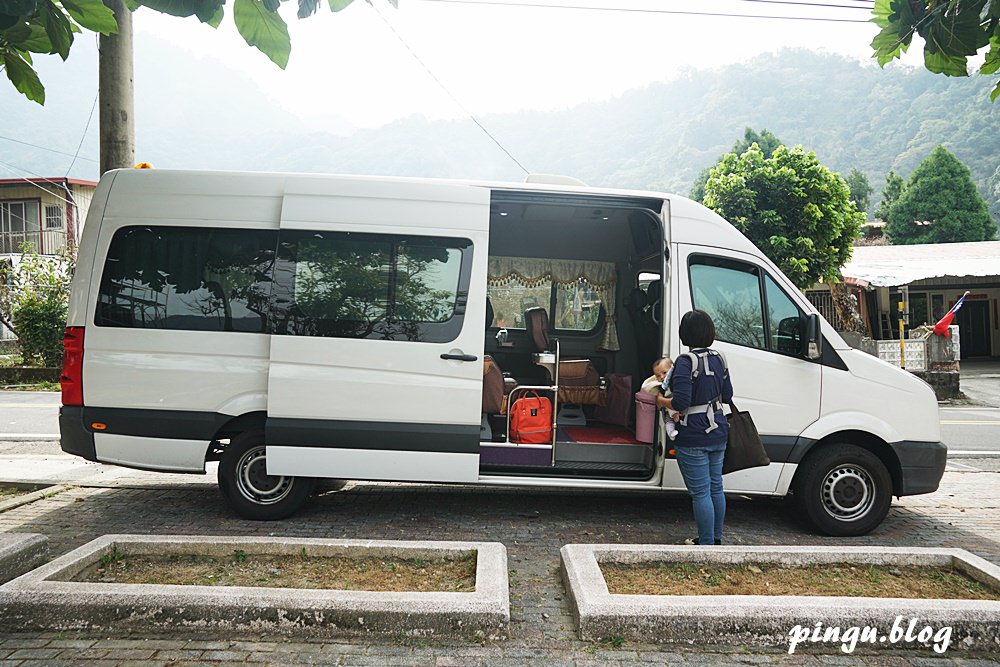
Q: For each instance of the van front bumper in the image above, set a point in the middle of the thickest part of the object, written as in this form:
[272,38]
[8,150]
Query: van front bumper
[921,466]
[74,437]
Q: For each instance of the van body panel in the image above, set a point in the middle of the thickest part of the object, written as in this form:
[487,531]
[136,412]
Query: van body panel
[369,464]
[887,401]
[173,370]
[78,315]
[169,454]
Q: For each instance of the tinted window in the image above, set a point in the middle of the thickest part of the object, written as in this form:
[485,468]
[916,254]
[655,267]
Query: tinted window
[347,285]
[729,292]
[577,304]
[187,278]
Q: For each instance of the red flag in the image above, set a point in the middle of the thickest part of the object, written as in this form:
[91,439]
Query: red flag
[941,328]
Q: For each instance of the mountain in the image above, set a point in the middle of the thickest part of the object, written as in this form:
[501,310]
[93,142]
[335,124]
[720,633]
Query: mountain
[658,137]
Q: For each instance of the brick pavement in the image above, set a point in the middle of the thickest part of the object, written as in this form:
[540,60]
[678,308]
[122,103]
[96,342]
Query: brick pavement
[532,524]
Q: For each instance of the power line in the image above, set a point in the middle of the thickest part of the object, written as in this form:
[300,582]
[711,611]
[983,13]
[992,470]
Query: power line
[445,89]
[16,170]
[51,150]
[638,10]
[84,136]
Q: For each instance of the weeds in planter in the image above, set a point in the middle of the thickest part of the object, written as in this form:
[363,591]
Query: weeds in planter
[612,643]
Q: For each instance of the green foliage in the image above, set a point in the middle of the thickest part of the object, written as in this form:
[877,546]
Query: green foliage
[860,189]
[794,209]
[940,204]
[953,32]
[890,193]
[994,195]
[765,140]
[47,26]
[34,295]
[44,26]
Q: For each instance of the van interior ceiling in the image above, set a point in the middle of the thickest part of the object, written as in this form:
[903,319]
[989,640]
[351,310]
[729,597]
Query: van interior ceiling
[574,262]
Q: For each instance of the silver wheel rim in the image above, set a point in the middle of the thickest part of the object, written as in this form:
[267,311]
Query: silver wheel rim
[848,492]
[255,484]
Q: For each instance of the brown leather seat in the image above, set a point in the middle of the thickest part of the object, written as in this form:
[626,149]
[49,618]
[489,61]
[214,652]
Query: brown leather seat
[579,381]
[493,387]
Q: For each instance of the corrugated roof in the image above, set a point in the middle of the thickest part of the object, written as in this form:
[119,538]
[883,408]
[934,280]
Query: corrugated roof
[894,265]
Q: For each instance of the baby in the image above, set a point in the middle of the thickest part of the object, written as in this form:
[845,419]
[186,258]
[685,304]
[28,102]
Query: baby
[658,384]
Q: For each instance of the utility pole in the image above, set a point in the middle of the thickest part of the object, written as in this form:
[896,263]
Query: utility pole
[117,117]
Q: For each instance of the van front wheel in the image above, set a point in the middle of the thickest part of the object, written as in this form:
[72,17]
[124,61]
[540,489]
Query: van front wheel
[247,487]
[844,490]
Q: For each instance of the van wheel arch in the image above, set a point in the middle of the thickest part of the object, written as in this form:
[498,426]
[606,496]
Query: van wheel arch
[247,487]
[844,487]
[864,440]
[250,421]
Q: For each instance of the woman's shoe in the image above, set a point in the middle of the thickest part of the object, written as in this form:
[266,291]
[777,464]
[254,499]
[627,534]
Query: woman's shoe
[694,540]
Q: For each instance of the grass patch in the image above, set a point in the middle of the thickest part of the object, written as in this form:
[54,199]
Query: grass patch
[8,492]
[838,580]
[45,385]
[351,573]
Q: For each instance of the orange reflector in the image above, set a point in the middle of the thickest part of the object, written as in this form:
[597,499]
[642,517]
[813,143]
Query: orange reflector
[98,426]
[673,452]
[143,165]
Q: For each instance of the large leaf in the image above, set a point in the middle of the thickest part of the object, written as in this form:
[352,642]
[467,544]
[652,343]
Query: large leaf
[307,8]
[889,45]
[215,18]
[92,14]
[992,62]
[942,63]
[23,77]
[174,7]
[57,27]
[337,5]
[996,93]
[955,33]
[17,34]
[38,40]
[263,29]
[20,7]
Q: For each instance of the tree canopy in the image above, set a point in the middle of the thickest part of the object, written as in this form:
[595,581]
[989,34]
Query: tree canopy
[953,32]
[890,193]
[860,189]
[939,204]
[765,140]
[48,26]
[798,212]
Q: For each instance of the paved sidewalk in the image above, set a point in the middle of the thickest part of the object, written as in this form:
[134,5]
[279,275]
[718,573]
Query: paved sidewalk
[532,524]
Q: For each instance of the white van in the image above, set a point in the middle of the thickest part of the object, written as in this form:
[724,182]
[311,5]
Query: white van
[298,327]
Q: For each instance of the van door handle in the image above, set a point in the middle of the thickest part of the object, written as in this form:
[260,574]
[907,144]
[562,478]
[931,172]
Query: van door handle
[460,357]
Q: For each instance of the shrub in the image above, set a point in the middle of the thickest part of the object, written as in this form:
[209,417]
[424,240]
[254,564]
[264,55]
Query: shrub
[40,323]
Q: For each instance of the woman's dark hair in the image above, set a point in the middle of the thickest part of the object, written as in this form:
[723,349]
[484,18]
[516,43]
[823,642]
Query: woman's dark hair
[697,329]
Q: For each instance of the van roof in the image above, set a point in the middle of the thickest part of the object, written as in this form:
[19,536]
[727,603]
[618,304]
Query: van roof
[692,222]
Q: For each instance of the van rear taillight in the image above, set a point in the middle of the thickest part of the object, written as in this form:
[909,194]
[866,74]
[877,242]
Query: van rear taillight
[72,370]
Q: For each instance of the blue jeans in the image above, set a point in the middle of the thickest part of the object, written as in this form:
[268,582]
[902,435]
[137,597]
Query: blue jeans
[701,468]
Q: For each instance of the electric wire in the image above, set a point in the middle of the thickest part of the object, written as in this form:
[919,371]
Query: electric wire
[51,150]
[446,90]
[640,10]
[18,170]
[86,127]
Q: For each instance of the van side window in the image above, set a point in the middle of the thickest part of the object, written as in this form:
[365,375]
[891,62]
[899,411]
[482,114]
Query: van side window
[385,287]
[784,318]
[729,291]
[187,278]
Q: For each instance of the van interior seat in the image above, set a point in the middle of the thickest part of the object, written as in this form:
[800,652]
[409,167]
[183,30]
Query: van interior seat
[579,381]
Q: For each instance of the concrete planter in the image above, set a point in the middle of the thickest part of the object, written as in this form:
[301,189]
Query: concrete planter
[21,552]
[45,599]
[769,620]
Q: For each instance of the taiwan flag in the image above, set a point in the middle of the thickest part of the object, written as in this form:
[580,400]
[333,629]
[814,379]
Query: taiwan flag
[941,328]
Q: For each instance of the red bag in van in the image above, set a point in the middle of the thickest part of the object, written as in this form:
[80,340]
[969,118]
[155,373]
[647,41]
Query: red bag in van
[531,420]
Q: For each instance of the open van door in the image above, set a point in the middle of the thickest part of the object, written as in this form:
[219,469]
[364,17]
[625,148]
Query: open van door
[379,301]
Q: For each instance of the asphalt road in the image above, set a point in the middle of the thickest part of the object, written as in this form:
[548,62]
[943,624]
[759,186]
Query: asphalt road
[33,416]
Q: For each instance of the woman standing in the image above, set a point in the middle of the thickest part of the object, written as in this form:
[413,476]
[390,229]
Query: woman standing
[700,386]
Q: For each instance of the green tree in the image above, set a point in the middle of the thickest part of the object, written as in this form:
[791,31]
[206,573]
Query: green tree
[48,26]
[890,193]
[794,209]
[860,189]
[994,195]
[765,140]
[940,204]
[953,32]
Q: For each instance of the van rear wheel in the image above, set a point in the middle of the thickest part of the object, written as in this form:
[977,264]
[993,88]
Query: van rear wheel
[247,487]
[843,489]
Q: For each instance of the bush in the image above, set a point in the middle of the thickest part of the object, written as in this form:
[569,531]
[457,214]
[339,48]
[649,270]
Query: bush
[40,323]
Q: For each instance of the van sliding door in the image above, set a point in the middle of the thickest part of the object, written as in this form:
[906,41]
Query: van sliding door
[377,355]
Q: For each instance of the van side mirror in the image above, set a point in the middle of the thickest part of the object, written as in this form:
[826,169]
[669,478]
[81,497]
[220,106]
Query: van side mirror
[812,337]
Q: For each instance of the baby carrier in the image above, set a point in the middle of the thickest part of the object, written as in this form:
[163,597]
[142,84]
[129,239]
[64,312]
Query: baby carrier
[700,366]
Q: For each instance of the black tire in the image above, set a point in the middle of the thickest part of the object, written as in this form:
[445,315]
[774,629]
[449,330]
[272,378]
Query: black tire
[249,490]
[843,489]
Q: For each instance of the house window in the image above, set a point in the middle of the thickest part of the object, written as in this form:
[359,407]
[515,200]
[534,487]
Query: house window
[53,217]
[18,225]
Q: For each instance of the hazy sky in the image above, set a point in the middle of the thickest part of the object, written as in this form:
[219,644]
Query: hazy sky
[501,57]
